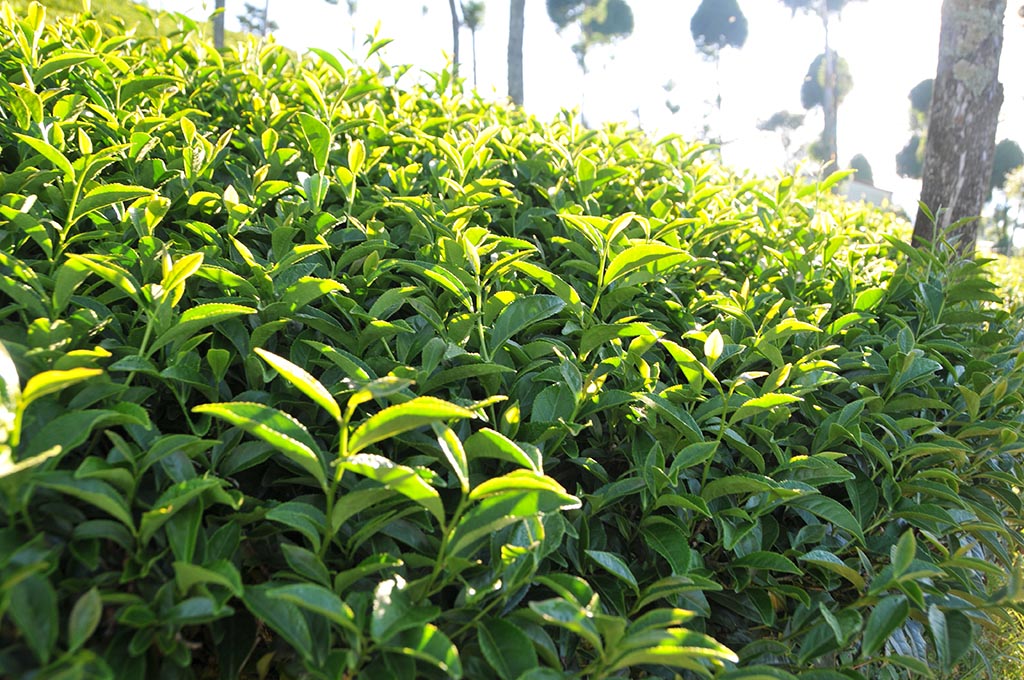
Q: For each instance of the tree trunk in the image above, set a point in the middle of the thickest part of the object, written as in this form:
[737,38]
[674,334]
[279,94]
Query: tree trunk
[516,24]
[455,38]
[829,104]
[472,37]
[266,18]
[962,127]
[218,25]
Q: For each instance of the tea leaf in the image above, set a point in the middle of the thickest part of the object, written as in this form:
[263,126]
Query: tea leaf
[675,647]
[827,560]
[507,649]
[52,154]
[521,480]
[520,315]
[400,418]
[657,256]
[762,559]
[33,608]
[614,565]
[765,402]
[398,478]
[318,136]
[107,195]
[564,614]
[454,453]
[50,382]
[281,616]
[195,319]
[888,615]
[92,491]
[276,428]
[429,644]
[488,443]
[305,382]
[84,618]
[831,511]
[317,599]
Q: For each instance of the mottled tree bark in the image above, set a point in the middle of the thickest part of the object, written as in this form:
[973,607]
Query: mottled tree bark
[516,25]
[962,126]
[218,26]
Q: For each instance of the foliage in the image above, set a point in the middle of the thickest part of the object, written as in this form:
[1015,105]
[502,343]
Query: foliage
[814,6]
[860,164]
[254,20]
[473,14]
[921,98]
[130,17]
[781,120]
[812,92]
[307,374]
[717,24]
[599,22]
[1008,157]
[910,159]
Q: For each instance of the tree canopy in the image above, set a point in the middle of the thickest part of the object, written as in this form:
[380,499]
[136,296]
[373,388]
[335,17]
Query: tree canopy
[1008,157]
[921,96]
[863,168]
[815,5]
[812,93]
[717,24]
[599,21]
[910,159]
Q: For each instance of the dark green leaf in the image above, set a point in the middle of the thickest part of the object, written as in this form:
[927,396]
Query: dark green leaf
[316,599]
[33,607]
[507,649]
[520,315]
[763,559]
[886,617]
[281,616]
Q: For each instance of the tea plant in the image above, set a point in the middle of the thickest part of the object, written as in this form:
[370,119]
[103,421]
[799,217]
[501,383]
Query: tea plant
[312,371]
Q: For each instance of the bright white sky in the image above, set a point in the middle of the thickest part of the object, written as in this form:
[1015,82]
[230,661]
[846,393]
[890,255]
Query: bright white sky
[891,45]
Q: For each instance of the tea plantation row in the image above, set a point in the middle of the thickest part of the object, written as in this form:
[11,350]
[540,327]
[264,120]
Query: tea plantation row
[312,371]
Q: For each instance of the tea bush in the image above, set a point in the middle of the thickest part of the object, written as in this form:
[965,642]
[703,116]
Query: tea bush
[313,371]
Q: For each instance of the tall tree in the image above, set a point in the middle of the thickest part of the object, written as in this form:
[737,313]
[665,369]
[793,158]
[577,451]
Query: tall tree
[1008,156]
[910,160]
[599,22]
[516,26]
[473,17]
[218,25]
[456,23]
[860,164]
[718,24]
[785,123]
[829,104]
[350,7]
[256,20]
[715,25]
[960,149]
[817,91]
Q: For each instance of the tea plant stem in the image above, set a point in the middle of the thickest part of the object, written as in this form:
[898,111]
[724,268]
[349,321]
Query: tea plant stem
[486,355]
[331,493]
[442,552]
